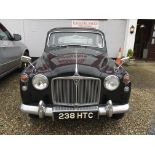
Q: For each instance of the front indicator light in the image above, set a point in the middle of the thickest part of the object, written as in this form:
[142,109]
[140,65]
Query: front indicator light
[24,77]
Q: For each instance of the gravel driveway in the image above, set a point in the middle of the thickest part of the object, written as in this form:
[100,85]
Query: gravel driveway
[137,121]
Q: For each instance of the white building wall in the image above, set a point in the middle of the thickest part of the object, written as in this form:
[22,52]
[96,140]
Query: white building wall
[129,38]
[34,33]
[115,34]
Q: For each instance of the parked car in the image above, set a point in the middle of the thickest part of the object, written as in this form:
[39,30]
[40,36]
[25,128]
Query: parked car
[11,50]
[74,78]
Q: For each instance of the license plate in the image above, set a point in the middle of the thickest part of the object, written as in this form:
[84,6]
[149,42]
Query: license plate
[76,115]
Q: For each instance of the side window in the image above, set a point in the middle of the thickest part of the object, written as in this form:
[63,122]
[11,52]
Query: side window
[3,34]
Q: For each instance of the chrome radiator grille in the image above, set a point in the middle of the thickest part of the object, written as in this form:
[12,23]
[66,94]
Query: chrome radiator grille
[76,90]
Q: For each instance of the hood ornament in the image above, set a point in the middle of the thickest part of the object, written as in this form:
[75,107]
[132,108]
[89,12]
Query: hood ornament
[76,77]
[76,67]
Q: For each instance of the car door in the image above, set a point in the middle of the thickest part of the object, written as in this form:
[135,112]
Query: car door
[9,51]
[3,57]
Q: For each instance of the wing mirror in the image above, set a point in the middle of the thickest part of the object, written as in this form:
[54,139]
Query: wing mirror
[17,37]
[27,59]
[124,60]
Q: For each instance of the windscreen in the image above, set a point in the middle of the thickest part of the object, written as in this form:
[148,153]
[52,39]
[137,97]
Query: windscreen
[76,38]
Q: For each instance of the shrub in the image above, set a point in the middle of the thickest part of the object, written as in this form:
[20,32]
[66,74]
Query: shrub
[130,53]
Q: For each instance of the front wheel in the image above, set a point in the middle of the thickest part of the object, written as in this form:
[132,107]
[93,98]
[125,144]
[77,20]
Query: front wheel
[117,116]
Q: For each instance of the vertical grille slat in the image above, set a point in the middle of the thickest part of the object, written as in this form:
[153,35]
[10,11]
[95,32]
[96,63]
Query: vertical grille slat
[89,90]
[95,90]
[68,92]
[72,92]
[85,91]
[81,91]
[60,90]
[64,91]
[57,91]
[92,89]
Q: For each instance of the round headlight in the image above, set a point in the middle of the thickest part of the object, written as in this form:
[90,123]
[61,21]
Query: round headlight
[111,82]
[40,82]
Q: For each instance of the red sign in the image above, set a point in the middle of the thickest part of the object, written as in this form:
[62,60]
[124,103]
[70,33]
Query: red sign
[85,23]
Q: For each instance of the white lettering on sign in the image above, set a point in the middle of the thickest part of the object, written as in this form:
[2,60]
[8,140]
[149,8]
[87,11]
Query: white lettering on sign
[85,23]
[90,115]
[79,115]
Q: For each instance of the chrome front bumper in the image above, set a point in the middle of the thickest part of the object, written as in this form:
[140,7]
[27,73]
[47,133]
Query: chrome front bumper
[42,111]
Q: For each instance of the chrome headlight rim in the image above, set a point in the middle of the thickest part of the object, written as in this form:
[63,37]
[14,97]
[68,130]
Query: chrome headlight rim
[109,77]
[40,76]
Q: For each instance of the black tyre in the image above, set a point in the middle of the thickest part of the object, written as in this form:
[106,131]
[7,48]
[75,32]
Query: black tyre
[117,116]
[33,116]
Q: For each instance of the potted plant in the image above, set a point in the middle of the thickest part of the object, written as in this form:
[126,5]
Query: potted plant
[131,57]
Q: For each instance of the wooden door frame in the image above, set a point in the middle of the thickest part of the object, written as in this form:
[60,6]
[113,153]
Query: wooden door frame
[150,42]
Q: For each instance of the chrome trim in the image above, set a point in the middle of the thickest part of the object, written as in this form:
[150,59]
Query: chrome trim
[109,76]
[81,100]
[81,31]
[41,76]
[76,67]
[7,72]
[109,108]
[72,109]
[10,61]
[42,110]
[120,109]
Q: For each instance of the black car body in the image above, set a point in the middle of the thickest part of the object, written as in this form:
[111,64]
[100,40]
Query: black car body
[74,78]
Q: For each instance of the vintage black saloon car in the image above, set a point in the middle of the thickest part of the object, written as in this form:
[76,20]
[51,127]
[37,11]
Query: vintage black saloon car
[74,78]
